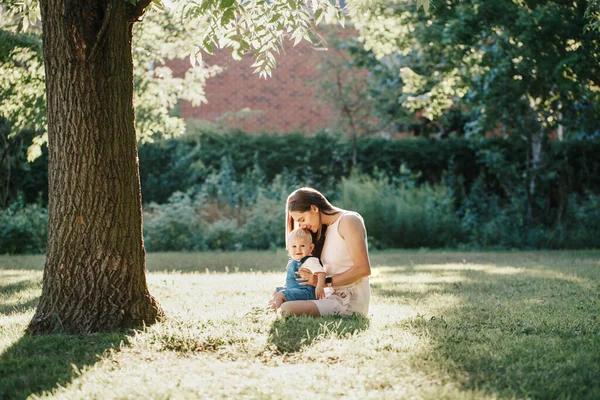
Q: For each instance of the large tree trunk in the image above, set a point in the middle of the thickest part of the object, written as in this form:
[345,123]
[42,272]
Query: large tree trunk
[94,277]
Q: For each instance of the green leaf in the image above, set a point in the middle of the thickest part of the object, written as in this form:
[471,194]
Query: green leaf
[275,18]
[424,4]
[226,4]
[318,15]
[158,4]
[294,4]
[228,16]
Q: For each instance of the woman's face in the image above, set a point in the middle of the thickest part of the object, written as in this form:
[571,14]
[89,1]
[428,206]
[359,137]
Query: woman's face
[307,219]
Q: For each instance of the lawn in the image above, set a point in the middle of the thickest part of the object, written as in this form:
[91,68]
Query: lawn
[442,325]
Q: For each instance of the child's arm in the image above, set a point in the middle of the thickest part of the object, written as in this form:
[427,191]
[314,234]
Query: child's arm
[320,289]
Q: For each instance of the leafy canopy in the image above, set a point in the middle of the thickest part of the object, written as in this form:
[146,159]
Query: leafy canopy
[522,64]
[171,29]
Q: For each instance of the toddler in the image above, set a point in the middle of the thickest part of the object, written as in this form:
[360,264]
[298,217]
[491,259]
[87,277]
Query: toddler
[299,247]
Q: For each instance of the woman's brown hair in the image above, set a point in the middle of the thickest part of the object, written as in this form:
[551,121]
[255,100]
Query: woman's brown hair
[300,200]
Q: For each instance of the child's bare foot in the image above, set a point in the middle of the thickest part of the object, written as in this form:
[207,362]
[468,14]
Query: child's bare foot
[272,306]
[276,302]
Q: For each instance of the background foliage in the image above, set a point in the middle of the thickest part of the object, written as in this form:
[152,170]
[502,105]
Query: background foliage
[500,101]
[214,190]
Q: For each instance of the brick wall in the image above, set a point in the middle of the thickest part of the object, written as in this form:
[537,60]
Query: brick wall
[283,103]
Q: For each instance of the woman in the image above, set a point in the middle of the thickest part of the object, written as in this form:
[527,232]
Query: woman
[341,243]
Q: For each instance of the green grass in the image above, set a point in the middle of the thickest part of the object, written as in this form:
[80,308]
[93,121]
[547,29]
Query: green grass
[442,325]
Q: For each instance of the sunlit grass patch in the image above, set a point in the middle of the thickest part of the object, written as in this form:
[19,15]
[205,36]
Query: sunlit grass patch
[442,325]
[218,261]
[22,262]
[19,292]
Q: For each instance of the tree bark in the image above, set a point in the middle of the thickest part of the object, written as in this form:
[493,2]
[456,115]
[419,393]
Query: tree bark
[537,139]
[94,277]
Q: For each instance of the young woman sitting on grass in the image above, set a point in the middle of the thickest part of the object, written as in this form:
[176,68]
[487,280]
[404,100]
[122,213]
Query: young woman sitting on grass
[341,244]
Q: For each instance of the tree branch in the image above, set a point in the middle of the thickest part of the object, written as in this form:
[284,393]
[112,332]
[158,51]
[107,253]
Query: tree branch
[101,33]
[140,9]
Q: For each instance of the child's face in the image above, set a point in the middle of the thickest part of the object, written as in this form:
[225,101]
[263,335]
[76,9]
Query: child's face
[300,247]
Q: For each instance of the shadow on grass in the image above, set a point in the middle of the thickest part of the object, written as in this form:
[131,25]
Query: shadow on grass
[292,333]
[18,290]
[35,364]
[532,334]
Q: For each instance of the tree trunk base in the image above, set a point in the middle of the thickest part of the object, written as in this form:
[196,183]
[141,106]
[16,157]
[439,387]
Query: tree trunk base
[144,312]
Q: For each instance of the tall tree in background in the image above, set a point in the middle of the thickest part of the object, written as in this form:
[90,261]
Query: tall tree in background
[524,69]
[94,277]
[344,88]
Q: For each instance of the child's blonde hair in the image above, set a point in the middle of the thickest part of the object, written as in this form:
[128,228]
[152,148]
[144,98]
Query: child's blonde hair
[298,233]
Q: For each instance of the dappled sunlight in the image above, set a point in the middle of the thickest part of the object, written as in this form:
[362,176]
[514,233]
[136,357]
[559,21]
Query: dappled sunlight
[442,303]
[21,318]
[22,262]
[13,276]
[398,289]
[21,302]
[378,270]
[390,313]
[204,377]
[501,270]
[34,364]
[435,330]
[404,308]
[212,295]
[427,279]
[11,329]
[386,284]
[464,271]
[19,293]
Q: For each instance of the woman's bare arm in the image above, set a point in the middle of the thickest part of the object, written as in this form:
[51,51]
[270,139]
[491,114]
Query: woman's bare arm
[352,230]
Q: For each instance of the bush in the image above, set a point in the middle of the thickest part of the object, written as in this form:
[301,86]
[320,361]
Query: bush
[23,228]
[400,214]
[233,213]
[223,235]
[176,225]
[264,228]
[460,192]
[582,227]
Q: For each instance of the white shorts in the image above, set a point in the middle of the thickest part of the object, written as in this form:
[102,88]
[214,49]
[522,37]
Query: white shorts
[347,300]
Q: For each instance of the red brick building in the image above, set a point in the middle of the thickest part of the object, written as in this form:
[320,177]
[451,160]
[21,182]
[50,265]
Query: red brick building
[285,102]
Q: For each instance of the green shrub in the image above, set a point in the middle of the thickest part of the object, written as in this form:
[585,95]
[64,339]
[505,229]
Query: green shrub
[264,228]
[582,227]
[484,203]
[23,228]
[401,214]
[176,225]
[223,234]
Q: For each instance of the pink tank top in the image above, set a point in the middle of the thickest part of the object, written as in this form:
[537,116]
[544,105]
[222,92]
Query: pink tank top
[336,259]
[335,256]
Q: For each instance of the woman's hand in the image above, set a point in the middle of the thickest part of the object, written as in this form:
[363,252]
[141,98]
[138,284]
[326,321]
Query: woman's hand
[305,277]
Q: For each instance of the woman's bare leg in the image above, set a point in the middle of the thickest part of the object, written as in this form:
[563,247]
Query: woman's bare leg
[300,307]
